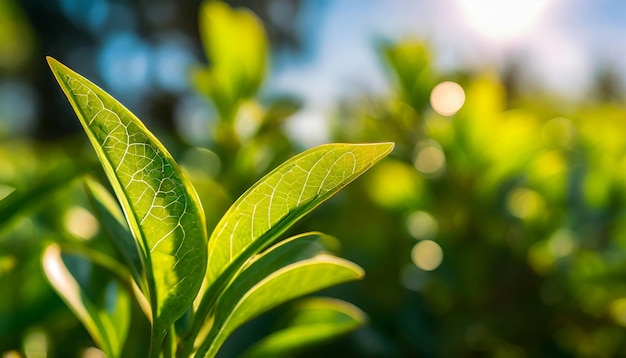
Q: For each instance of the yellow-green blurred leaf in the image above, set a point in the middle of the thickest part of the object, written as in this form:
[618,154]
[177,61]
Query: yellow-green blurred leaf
[237,50]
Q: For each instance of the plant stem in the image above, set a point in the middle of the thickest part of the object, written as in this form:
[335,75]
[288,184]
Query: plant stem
[169,346]
[206,306]
[156,343]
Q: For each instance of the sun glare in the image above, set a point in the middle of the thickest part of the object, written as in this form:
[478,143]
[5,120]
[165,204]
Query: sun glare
[502,19]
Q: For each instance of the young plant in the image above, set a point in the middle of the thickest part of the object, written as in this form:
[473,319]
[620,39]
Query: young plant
[194,289]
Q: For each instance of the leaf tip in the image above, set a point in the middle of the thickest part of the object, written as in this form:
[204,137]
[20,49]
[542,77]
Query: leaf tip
[388,146]
[52,62]
[57,68]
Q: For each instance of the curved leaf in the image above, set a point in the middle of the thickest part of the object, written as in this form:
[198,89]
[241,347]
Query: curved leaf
[107,325]
[284,196]
[22,200]
[312,322]
[161,207]
[112,220]
[288,270]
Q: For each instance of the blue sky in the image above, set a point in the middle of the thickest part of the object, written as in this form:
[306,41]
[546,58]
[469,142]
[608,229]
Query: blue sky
[562,45]
[560,48]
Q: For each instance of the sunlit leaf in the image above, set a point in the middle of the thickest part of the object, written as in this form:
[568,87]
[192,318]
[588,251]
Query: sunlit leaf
[313,321]
[237,50]
[290,269]
[107,325]
[284,196]
[161,207]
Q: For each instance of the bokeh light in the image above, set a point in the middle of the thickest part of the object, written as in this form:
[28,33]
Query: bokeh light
[173,56]
[525,203]
[394,185]
[192,118]
[90,14]
[125,64]
[544,254]
[447,98]
[36,344]
[18,107]
[421,225]
[562,243]
[413,278]
[559,132]
[7,263]
[427,255]
[430,159]
[80,222]
[618,311]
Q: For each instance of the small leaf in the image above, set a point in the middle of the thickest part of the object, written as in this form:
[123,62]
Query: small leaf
[279,110]
[282,197]
[411,62]
[288,270]
[107,325]
[313,321]
[22,200]
[161,207]
[236,71]
[214,198]
[112,220]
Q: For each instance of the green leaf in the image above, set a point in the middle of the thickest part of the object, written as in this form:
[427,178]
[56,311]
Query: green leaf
[279,110]
[284,196]
[107,324]
[214,198]
[290,269]
[411,62]
[112,219]
[313,321]
[22,200]
[236,71]
[161,207]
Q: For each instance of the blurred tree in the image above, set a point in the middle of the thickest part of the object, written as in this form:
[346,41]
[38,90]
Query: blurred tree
[76,31]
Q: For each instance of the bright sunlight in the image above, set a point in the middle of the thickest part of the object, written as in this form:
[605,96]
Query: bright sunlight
[502,19]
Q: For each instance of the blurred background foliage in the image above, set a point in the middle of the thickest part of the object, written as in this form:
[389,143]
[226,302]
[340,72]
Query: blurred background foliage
[496,228]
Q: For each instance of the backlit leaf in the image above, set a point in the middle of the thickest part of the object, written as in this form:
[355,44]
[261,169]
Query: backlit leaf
[107,325]
[284,196]
[161,207]
[312,322]
[290,269]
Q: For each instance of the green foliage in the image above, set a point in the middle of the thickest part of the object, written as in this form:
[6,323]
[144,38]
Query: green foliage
[516,191]
[312,321]
[108,323]
[283,269]
[161,207]
[235,72]
[522,193]
[165,218]
[16,37]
